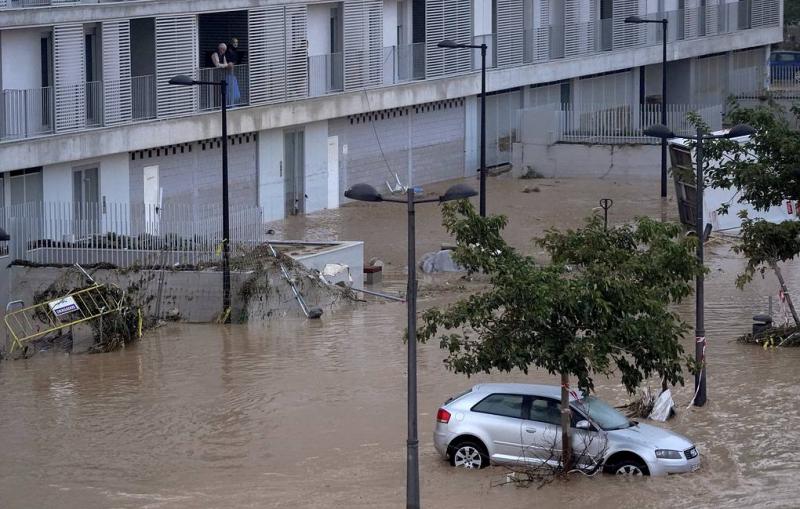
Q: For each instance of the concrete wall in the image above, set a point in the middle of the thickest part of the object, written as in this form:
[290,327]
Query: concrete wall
[21,58]
[192,173]
[113,172]
[434,133]
[578,160]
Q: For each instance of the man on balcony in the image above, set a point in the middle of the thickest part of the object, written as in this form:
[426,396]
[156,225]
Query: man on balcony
[220,61]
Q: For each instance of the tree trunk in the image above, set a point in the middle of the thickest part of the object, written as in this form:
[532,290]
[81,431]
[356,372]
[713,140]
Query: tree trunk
[566,431]
[778,273]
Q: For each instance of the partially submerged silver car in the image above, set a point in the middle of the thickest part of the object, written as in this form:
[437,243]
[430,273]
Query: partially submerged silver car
[521,423]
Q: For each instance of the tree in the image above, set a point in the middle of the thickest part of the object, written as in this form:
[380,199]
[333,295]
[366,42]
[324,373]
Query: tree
[766,172]
[600,307]
[791,12]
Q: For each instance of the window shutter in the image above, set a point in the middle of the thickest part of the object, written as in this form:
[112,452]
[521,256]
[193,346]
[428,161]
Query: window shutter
[541,37]
[363,43]
[690,15]
[176,53]
[510,34]
[447,19]
[116,72]
[70,76]
[296,19]
[626,35]
[712,17]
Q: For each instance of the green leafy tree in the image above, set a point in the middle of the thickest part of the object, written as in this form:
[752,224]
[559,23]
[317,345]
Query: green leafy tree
[766,172]
[600,308]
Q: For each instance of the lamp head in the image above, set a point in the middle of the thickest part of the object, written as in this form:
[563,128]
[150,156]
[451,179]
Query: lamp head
[363,192]
[447,43]
[634,19]
[659,131]
[181,79]
[457,192]
[4,236]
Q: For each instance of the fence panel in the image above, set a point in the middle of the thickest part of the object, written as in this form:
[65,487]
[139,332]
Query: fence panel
[122,234]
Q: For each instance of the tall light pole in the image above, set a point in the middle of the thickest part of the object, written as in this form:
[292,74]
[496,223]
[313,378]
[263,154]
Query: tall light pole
[483,47]
[663,132]
[222,85]
[365,192]
[664,22]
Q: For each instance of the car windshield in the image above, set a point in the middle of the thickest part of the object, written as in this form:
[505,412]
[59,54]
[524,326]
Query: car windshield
[606,416]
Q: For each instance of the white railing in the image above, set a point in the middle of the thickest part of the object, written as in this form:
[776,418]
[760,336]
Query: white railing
[238,89]
[26,113]
[325,74]
[624,124]
[606,124]
[94,104]
[124,234]
[143,97]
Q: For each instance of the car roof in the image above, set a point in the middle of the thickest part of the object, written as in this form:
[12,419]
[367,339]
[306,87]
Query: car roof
[547,391]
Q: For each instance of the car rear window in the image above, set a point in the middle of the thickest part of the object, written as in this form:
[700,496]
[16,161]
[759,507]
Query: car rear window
[507,405]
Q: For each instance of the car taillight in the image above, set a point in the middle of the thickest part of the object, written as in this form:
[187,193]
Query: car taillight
[443,416]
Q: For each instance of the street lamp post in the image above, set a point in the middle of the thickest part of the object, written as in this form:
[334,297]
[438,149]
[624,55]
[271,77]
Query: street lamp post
[365,192]
[664,22]
[483,47]
[226,268]
[663,132]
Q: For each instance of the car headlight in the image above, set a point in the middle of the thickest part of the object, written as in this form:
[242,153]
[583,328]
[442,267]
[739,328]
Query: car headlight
[668,454]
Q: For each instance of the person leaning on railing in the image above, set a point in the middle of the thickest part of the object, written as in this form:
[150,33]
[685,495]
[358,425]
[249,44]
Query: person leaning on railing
[220,61]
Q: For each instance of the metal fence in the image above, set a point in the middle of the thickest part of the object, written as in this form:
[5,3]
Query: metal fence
[26,113]
[125,234]
[325,74]
[606,124]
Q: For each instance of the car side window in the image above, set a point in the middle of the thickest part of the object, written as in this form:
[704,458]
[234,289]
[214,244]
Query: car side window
[507,405]
[545,410]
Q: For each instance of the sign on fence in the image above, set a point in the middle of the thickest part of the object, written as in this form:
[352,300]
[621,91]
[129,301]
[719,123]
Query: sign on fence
[64,306]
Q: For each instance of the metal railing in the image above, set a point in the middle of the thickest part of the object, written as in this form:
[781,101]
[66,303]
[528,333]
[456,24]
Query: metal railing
[124,234]
[623,124]
[490,40]
[410,62]
[238,89]
[26,113]
[94,104]
[143,97]
[325,74]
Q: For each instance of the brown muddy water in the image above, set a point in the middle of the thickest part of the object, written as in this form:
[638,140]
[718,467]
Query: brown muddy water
[298,413]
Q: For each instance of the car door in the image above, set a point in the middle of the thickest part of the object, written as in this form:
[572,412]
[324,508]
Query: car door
[500,416]
[588,445]
[541,431]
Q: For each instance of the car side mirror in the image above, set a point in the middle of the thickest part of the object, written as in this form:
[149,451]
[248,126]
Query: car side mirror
[583,424]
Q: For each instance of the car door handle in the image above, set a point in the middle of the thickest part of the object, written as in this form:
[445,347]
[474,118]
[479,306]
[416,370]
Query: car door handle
[530,430]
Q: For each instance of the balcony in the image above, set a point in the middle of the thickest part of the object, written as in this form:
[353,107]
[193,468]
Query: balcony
[403,63]
[238,90]
[143,97]
[325,74]
[26,113]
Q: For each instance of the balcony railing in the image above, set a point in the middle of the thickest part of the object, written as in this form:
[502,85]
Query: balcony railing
[325,74]
[94,104]
[238,90]
[143,97]
[26,113]
[490,40]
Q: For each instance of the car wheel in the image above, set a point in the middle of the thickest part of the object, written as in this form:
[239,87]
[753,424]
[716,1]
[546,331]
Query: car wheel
[630,468]
[469,454]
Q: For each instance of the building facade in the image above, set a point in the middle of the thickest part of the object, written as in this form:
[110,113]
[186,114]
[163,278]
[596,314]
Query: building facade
[328,94]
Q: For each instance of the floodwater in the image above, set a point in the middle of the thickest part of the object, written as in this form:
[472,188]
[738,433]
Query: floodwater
[299,413]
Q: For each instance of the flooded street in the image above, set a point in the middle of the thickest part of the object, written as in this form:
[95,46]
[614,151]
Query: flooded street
[299,413]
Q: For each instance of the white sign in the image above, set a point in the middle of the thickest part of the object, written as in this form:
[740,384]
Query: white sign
[63,306]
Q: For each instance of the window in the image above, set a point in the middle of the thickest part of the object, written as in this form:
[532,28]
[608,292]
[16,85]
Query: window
[545,410]
[507,405]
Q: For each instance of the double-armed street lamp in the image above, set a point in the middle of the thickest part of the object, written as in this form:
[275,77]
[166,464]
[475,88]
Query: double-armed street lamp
[483,47]
[663,132]
[222,85]
[663,22]
[365,192]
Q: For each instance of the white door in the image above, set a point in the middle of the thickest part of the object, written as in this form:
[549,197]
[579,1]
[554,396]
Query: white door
[333,172]
[152,200]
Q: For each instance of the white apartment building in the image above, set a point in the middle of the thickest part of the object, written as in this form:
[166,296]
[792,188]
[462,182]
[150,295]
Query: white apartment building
[330,93]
